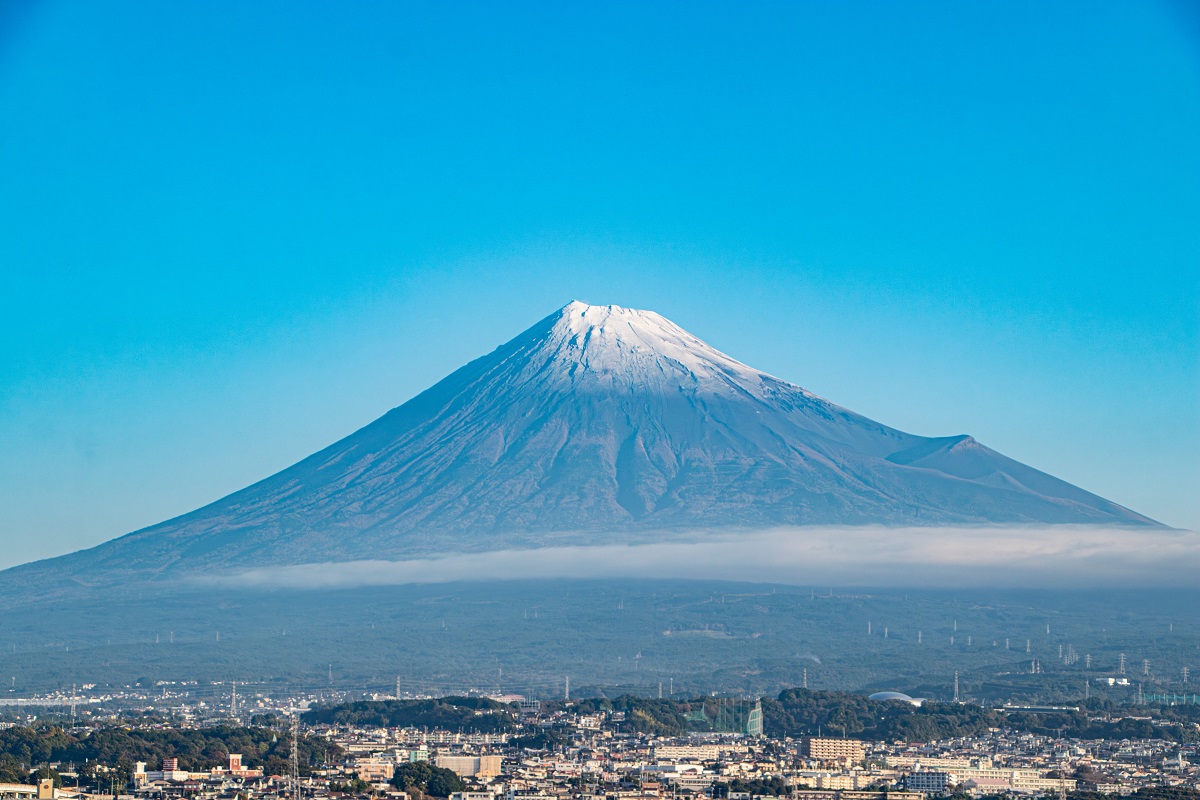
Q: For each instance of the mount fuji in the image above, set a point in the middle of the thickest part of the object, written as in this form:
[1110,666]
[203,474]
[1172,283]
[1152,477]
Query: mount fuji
[597,425]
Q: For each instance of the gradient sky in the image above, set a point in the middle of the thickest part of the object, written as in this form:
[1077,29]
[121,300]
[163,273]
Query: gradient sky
[231,233]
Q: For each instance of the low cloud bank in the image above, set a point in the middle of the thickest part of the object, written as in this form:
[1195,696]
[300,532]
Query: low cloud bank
[1057,557]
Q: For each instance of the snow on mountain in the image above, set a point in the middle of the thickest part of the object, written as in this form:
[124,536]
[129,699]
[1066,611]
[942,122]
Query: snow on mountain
[597,425]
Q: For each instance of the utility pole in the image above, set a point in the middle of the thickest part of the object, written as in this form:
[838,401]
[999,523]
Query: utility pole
[295,760]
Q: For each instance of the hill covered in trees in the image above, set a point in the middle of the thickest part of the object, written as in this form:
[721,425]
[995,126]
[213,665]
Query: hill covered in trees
[802,712]
[468,714]
[23,749]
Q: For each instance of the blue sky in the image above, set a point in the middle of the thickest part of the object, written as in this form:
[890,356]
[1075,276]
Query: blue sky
[235,232]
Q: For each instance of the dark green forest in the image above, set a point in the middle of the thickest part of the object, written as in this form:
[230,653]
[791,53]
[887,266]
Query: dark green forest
[422,778]
[468,714]
[793,712]
[25,748]
[803,712]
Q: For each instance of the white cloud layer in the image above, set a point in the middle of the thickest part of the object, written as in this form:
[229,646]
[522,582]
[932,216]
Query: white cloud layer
[1055,557]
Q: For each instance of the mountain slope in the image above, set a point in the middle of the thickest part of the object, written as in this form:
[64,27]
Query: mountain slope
[597,424]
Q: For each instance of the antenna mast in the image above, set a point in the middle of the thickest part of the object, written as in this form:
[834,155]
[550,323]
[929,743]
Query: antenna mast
[295,760]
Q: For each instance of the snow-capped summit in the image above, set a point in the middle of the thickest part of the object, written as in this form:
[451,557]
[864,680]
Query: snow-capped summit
[598,424]
[640,348]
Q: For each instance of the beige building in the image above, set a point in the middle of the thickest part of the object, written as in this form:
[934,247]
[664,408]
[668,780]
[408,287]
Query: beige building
[837,794]
[830,749]
[470,766]
[21,791]
[374,769]
[694,752]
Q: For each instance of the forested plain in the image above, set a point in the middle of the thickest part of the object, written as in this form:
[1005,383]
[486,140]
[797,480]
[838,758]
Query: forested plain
[791,713]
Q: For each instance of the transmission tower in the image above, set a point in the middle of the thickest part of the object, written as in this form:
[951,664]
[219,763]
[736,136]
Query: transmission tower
[1184,671]
[956,686]
[1121,668]
[1145,666]
[295,760]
